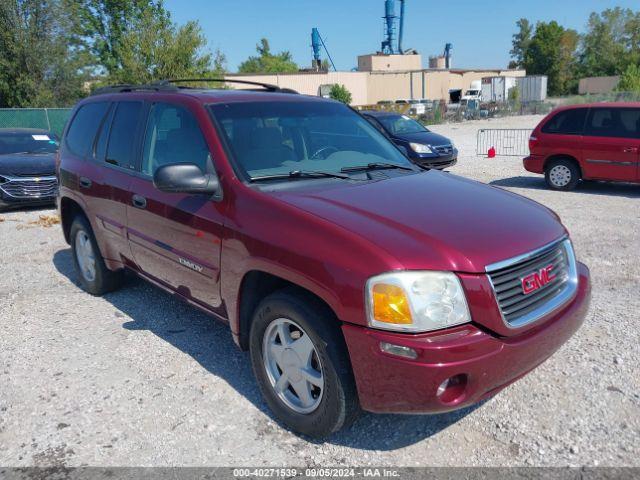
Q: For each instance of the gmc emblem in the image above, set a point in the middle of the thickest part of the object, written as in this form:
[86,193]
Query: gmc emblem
[537,280]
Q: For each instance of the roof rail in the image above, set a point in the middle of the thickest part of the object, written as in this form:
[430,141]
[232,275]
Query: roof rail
[122,88]
[169,86]
[267,86]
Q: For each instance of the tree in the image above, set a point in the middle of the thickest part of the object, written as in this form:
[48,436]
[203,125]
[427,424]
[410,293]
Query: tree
[340,93]
[520,43]
[155,48]
[552,53]
[39,64]
[101,25]
[630,80]
[266,62]
[607,44]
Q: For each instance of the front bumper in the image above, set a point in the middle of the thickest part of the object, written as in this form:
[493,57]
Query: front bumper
[436,161]
[390,384]
[534,164]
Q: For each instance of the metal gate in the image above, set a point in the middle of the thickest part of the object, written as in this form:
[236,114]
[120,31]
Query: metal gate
[510,142]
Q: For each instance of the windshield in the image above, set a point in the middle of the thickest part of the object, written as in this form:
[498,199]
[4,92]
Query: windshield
[19,142]
[400,124]
[271,138]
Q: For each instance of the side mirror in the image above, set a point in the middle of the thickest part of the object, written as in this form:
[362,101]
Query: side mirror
[185,178]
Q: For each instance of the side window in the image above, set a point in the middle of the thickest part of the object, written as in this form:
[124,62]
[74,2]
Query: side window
[173,136]
[100,149]
[567,122]
[614,122]
[121,148]
[84,126]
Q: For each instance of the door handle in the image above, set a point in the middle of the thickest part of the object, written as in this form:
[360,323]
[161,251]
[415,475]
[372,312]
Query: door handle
[85,182]
[630,149]
[139,201]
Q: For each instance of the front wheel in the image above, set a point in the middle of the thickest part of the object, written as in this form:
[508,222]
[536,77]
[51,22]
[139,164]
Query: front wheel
[562,174]
[301,364]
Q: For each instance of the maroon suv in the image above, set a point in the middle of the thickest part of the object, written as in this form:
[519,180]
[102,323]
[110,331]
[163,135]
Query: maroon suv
[355,279]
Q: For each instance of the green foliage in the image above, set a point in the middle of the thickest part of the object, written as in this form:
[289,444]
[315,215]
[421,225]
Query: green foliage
[38,64]
[551,53]
[609,46]
[611,43]
[155,49]
[267,62]
[520,43]
[52,50]
[630,80]
[340,93]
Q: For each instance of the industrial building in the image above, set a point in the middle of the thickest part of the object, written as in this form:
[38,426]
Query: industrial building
[371,87]
[390,74]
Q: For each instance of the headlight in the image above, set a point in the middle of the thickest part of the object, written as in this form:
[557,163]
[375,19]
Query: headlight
[420,148]
[416,301]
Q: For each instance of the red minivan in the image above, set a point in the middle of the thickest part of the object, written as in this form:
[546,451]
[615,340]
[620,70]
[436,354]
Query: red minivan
[599,141]
[355,279]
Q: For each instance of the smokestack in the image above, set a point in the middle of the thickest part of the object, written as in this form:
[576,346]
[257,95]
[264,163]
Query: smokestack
[400,35]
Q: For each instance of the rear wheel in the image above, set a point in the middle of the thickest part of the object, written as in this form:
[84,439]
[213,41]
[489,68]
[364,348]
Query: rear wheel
[94,275]
[562,174]
[301,364]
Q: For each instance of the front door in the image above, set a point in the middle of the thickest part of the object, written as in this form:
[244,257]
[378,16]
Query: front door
[175,238]
[611,144]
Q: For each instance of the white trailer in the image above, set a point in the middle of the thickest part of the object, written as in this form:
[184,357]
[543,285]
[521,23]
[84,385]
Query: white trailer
[496,89]
[533,88]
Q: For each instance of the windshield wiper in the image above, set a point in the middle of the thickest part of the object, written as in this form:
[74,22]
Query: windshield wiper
[301,174]
[374,166]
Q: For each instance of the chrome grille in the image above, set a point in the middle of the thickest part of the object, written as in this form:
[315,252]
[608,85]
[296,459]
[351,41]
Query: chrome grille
[507,278]
[30,188]
[443,149]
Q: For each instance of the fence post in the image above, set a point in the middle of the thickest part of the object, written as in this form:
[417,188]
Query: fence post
[46,115]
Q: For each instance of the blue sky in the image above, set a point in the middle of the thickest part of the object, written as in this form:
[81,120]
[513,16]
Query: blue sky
[480,30]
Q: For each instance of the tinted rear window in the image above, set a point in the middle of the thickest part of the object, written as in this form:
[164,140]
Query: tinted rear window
[84,126]
[567,122]
[614,122]
[122,138]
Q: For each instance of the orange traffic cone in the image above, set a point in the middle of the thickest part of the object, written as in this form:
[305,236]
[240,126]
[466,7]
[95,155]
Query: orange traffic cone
[492,153]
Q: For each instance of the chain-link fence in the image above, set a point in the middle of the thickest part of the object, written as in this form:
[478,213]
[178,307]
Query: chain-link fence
[52,119]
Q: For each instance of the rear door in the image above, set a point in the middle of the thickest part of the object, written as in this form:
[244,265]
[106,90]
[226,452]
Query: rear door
[175,238]
[611,144]
[115,151]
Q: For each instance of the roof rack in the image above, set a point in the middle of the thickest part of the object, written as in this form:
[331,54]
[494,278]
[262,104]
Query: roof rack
[122,88]
[267,86]
[169,86]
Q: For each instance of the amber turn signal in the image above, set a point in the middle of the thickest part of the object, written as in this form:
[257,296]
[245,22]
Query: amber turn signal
[390,304]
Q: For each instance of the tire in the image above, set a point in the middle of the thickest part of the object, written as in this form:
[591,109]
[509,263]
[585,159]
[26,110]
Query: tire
[562,174]
[330,407]
[98,279]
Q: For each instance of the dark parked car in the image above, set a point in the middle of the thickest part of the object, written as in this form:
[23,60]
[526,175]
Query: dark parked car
[355,279]
[27,167]
[423,147]
[600,141]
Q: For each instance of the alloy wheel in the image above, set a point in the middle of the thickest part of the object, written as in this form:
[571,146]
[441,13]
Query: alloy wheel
[293,365]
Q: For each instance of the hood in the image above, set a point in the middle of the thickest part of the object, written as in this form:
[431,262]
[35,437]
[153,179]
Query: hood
[23,164]
[434,220]
[428,138]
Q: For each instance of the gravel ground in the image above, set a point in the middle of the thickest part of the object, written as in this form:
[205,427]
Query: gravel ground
[138,378]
